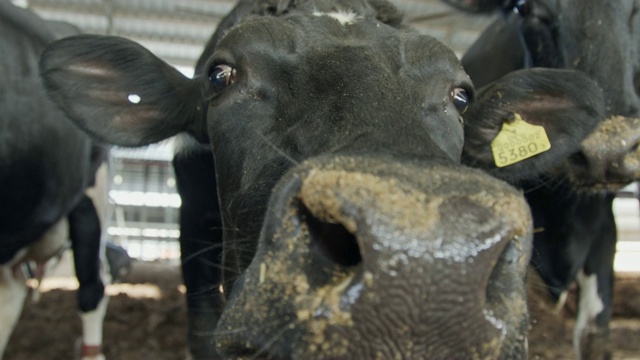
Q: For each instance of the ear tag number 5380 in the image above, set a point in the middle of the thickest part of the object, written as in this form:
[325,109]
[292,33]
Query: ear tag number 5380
[518,140]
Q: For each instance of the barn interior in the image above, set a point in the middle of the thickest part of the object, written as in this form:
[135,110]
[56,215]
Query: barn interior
[147,317]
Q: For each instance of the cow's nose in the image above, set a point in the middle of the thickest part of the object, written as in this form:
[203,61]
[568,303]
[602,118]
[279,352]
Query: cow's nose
[610,156]
[373,261]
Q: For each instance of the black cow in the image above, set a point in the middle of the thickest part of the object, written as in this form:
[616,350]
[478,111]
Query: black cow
[578,235]
[119,261]
[351,228]
[46,164]
[200,244]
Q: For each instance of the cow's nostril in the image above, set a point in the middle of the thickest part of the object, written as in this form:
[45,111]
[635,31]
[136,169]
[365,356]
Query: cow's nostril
[333,240]
[580,159]
[504,289]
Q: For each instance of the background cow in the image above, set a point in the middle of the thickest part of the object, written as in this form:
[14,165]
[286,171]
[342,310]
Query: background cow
[573,209]
[200,244]
[46,164]
[350,227]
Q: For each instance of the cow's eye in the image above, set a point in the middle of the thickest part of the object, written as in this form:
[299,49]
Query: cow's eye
[460,99]
[521,7]
[221,76]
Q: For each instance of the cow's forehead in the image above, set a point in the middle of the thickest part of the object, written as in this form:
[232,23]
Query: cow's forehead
[324,32]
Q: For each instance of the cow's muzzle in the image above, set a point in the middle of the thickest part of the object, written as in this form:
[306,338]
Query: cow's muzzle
[362,258]
[609,158]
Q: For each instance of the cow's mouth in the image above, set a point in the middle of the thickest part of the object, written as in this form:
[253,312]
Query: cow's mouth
[585,182]
[609,159]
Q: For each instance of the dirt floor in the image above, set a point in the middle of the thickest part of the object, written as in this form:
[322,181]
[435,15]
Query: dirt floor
[146,320]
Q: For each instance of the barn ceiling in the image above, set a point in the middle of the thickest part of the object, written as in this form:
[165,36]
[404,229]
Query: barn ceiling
[176,30]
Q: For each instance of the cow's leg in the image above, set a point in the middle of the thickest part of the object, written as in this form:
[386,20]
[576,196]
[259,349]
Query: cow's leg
[13,291]
[591,332]
[13,288]
[85,233]
[118,260]
[204,300]
[92,322]
[561,240]
[201,248]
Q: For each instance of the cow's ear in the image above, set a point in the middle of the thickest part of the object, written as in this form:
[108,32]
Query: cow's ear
[565,105]
[118,91]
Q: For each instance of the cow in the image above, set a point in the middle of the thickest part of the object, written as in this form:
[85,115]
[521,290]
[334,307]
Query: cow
[120,263]
[46,167]
[351,227]
[573,209]
[200,243]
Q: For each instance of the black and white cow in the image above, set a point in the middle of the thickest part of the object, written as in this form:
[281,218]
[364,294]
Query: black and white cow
[577,237]
[46,164]
[351,228]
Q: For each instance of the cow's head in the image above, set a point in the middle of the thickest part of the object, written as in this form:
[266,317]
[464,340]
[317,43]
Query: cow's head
[351,228]
[599,38]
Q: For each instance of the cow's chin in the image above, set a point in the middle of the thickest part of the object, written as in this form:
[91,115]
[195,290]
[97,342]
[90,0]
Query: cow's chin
[432,266]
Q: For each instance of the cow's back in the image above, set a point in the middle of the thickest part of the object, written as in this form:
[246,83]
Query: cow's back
[43,158]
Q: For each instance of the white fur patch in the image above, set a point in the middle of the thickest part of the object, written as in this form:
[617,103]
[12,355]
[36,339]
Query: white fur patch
[92,323]
[13,292]
[589,306]
[343,16]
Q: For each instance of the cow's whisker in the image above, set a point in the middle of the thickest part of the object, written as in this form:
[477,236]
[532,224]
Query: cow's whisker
[280,151]
[204,294]
[265,347]
[202,251]
[233,331]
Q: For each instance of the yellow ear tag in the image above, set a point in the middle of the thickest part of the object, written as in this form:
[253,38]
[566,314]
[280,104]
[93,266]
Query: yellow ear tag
[518,140]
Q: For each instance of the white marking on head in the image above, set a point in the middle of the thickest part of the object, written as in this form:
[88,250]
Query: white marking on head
[343,16]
